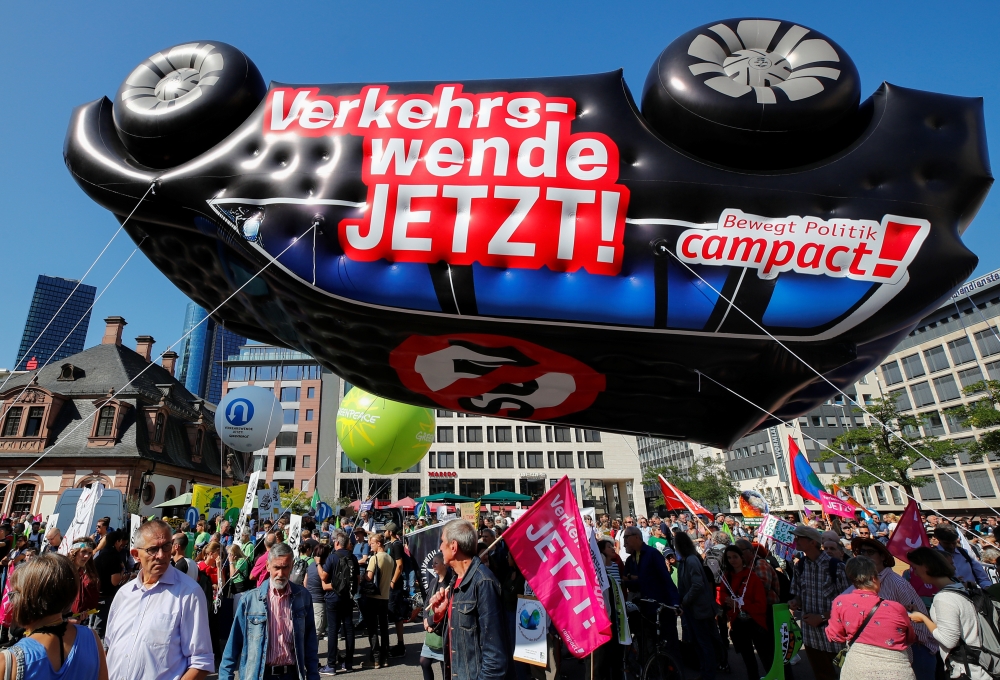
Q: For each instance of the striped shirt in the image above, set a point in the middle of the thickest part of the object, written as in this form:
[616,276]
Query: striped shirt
[613,572]
[279,627]
[894,587]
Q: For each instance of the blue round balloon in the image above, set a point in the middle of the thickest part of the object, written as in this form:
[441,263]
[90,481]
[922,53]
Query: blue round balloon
[192,516]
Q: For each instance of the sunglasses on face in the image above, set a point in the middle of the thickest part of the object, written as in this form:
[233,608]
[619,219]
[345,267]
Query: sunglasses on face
[868,551]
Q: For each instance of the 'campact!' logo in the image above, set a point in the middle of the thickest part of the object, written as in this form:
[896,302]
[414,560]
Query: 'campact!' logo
[864,250]
[359,416]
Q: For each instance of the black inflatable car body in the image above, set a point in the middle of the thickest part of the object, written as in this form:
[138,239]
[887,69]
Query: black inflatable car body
[538,249]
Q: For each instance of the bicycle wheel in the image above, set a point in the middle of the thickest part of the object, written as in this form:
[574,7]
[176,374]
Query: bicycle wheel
[662,666]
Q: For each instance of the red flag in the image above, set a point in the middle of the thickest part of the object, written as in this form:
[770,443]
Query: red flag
[909,534]
[550,547]
[835,506]
[678,500]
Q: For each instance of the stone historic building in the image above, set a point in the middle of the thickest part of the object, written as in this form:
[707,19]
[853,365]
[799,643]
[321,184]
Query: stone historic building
[105,414]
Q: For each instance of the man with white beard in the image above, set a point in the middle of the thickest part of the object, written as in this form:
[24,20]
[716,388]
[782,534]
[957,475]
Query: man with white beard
[274,633]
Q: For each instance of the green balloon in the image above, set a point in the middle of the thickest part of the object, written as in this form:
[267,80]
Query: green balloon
[382,436]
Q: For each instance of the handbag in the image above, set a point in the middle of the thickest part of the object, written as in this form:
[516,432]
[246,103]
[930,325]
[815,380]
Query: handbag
[841,657]
[372,587]
[12,661]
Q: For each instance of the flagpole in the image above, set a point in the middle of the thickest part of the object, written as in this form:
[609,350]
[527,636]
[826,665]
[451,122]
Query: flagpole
[677,494]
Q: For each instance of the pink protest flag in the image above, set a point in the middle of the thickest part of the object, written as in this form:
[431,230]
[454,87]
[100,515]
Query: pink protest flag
[834,506]
[909,534]
[550,547]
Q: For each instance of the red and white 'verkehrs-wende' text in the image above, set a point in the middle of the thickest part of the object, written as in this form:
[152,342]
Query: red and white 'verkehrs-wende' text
[493,178]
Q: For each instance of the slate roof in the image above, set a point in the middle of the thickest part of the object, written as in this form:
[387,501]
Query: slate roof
[105,368]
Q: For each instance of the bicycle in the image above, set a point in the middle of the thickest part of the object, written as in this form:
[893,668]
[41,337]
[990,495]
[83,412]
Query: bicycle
[649,657]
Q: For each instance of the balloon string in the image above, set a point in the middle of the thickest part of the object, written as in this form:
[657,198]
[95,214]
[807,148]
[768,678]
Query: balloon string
[785,347]
[86,418]
[828,448]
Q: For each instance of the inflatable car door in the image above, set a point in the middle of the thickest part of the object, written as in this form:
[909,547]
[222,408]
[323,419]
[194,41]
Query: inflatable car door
[537,248]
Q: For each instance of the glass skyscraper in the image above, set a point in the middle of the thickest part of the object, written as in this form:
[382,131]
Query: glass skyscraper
[67,332]
[203,352]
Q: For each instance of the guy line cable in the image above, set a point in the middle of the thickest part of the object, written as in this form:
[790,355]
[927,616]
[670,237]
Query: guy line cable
[86,418]
[831,450]
[79,283]
[827,381]
[47,361]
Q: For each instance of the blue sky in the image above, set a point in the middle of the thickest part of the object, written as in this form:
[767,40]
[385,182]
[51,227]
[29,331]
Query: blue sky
[59,55]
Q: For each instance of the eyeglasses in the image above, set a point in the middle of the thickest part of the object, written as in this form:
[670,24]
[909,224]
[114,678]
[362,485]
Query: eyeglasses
[153,550]
[864,533]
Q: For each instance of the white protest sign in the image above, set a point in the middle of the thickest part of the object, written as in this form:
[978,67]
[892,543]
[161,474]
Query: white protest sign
[83,518]
[135,521]
[294,533]
[247,508]
[595,556]
[530,629]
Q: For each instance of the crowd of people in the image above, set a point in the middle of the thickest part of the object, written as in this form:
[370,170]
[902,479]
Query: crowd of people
[182,601]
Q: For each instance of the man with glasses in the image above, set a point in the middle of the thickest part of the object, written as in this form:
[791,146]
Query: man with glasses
[158,625]
[896,588]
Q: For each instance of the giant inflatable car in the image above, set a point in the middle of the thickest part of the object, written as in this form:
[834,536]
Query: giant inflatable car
[546,249]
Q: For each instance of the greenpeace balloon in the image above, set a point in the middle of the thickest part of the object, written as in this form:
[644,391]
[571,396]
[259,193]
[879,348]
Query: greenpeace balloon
[248,418]
[381,436]
[539,249]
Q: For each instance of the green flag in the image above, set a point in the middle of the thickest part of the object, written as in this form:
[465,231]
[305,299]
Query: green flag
[787,641]
[315,501]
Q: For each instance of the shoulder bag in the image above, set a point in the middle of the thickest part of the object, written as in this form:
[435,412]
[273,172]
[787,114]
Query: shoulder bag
[841,657]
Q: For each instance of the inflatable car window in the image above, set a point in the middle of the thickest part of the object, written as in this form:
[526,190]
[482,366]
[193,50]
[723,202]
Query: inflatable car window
[539,249]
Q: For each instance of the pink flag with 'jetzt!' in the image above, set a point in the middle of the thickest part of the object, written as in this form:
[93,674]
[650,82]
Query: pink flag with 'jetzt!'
[909,534]
[550,547]
[834,506]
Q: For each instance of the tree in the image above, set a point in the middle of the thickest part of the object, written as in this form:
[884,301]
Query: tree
[706,481]
[983,414]
[884,451]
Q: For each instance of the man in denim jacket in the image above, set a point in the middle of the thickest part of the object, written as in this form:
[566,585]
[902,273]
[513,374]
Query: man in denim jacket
[477,646]
[274,634]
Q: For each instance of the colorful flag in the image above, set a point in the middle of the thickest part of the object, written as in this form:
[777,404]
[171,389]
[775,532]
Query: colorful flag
[804,481]
[909,534]
[834,506]
[787,641]
[548,543]
[422,510]
[316,499]
[678,500]
[847,498]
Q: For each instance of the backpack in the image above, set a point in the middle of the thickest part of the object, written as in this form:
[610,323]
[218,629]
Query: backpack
[373,587]
[987,657]
[343,577]
[299,570]
[713,564]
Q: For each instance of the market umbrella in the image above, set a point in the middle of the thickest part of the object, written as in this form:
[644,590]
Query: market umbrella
[404,504]
[505,497]
[184,500]
[445,498]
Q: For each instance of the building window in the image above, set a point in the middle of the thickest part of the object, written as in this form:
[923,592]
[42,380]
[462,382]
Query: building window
[564,459]
[24,496]
[307,438]
[284,463]
[880,494]
[431,459]
[933,425]
[461,459]
[347,387]
[961,352]
[461,434]
[34,423]
[408,488]
[105,421]
[533,433]
[970,376]
[170,494]
[446,434]
[535,459]
[987,342]
[505,459]
[148,494]
[953,416]
[290,416]
[993,370]
[380,489]
[440,486]
[473,488]
[310,393]
[595,459]
[309,414]
[591,436]
[475,459]
[520,459]
[347,465]
[305,462]
[158,429]
[946,388]
[259,463]
[350,488]
[902,399]
[501,485]
[266,373]
[891,373]
[474,434]
[446,460]
[290,393]
[921,393]
[441,413]
[286,440]
[979,483]
[581,460]
[563,434]
[937,359]
[912,366]
[198,439]
[952,489]
[552,459]
[503,433]
[12,424]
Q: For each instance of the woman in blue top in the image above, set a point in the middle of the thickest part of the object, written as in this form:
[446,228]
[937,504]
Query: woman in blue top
[41,595]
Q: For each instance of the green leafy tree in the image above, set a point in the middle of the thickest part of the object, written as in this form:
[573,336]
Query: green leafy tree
[706,481]
[982,415]
[884,451]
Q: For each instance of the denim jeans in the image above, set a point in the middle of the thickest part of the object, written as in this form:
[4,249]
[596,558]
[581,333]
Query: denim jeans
[340,614]
[378,610]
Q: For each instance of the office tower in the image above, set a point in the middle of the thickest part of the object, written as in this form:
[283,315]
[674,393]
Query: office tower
[43,342]
[203,353]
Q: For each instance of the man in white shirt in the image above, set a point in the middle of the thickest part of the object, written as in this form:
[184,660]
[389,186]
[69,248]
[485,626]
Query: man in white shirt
[158,624]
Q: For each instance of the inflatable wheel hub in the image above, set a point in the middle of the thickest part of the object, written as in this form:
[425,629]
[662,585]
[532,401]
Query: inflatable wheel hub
[177,84]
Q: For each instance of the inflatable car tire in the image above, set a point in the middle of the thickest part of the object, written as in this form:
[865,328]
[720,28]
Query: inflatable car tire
[767,93]
[181,102]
